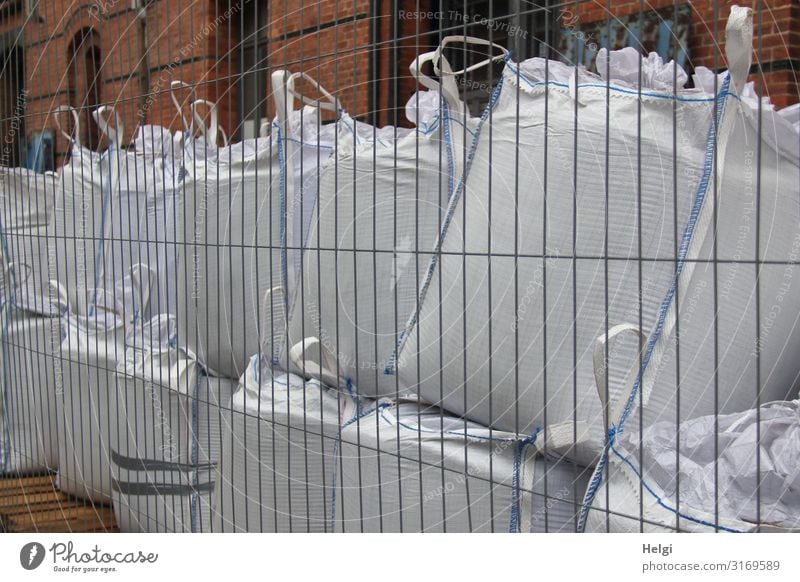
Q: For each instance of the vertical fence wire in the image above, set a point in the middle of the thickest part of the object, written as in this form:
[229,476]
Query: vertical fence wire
[219,360]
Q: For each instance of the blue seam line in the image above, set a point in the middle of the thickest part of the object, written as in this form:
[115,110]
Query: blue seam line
[448,142]
[359,413]
[195,446]
[516,493]
[99,258]
[282,233]
[391,363]
[521,444]
[665,304]
[661,502]
[666,96]
[457,433]
[688,234]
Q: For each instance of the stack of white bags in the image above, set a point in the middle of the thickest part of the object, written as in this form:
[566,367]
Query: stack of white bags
[458,327]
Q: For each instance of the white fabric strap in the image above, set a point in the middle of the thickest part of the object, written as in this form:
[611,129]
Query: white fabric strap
[448,87]
[113,131]
[273,306]
[187,126]
[601,369]
[310,368]
[738,47]
[527,478]
[76,123]
[468,40]
[61,295]
[211,131]
[142,277]
[327,102]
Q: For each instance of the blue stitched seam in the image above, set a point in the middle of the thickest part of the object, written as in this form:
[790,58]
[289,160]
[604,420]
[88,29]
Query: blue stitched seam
[99,258]
[666,96]
[282,233]
[708,166]
[195,446]
[336,446]
[390,368]
[663,504]
[516,493]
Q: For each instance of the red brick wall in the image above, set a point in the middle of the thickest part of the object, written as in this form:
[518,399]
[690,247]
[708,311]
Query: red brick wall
[198,41]
[779,31]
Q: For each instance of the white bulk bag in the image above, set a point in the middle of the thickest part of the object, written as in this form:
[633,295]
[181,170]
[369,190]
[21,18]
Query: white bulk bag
[236,245]
[141,219]
[90,348]
[166,448]
[26,206]
[412,467]
[158,238]
[504,362]
[280,453]
[753,480]
[81,200]
[375,226]
[31,382]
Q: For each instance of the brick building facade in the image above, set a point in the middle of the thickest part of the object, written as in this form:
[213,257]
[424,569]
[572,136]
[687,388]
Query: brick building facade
[127,52]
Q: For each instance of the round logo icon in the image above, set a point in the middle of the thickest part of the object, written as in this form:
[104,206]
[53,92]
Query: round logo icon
[31,555]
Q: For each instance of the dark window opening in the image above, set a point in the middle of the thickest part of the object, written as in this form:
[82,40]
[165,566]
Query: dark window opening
[85,83]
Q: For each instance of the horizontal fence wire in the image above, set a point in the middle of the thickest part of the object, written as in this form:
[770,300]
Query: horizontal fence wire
[489,266]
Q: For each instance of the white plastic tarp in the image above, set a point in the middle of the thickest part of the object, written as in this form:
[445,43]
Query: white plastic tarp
[732,472]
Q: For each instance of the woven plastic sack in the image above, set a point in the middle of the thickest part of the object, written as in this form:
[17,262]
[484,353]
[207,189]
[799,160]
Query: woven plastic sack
[412,467]
[26,207]
[373,236]
[506,333]
[280,453]
[79,209]
[140,221]
[237,245]
[167,442]
[31,382]
[91,347]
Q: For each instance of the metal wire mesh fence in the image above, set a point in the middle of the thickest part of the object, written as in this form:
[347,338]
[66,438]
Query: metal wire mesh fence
[353,266]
